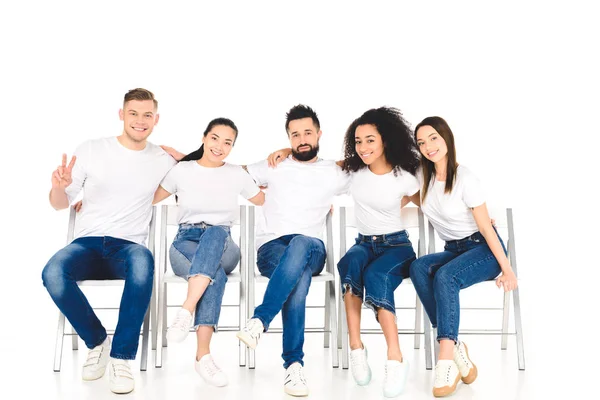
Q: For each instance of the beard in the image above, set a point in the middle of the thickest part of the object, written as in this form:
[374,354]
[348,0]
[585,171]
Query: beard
[305,155]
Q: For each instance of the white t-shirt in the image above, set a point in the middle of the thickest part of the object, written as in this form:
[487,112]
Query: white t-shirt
[118,186]
[298,197]
[208,195]
[377,200]
[450,213]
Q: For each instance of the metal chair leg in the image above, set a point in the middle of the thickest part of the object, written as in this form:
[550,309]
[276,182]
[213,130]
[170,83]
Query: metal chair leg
[418,321]
[519,329]
[145,339]
[58,347]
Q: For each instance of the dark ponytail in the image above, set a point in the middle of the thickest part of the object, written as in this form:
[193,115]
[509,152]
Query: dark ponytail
[197,154]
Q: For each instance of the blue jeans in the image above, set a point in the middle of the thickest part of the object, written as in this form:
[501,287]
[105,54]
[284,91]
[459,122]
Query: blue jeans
[439,277]
[207,250]
[374,267]
[289,262]
[102,257]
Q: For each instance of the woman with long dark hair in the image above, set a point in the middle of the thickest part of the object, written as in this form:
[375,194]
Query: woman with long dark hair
[452,200]
[207,190]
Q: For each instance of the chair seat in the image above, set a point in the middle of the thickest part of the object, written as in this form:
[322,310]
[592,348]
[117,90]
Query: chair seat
[170,277]
[322,277]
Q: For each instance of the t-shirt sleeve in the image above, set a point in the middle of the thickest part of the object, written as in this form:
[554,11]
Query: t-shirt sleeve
[169,182]
[412,183]
[79,172]
[343,180]
[473,193]
[249,187]
[259,172]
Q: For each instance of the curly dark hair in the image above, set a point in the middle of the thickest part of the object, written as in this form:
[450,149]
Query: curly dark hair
[399,145]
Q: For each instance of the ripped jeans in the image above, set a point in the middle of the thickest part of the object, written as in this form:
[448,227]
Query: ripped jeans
[207,250]
[374,267]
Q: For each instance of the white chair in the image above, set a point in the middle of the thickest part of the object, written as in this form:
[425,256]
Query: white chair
[327,276]
[165,276]
[503,221]
[60,334]
[412,219]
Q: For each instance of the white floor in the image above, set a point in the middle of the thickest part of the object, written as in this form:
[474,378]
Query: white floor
[499,377]
[558,362]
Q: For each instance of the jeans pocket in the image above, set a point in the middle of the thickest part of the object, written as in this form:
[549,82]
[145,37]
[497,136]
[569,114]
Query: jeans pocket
[397,240]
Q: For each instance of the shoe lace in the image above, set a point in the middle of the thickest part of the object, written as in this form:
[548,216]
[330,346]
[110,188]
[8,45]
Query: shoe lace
[93,356]
[463,356]
[252,327]
[122,370]
[211,368]
[442,375]
[296,374]
[359,361]
[181,321]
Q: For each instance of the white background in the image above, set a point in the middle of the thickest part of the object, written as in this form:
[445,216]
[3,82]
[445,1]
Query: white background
[517,82]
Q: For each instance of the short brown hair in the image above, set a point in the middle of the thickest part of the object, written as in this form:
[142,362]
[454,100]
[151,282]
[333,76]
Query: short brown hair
[140,94]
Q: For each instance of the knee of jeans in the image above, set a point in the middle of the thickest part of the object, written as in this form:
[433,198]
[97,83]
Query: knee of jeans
[418,268]
[53,278]
[305,243]
[231,257]
[141,265]
[179,263]
[216,232]
[443,279]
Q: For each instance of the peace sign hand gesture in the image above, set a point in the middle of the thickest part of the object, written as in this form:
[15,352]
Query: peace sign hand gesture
[61,177]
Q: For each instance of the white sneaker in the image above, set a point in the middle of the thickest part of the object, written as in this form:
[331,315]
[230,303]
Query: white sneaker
[467,368]
[97,358]
[294,383]
[360,367]
[446,378]
[251,332]
[180,327]
[210,372]
[396,373]
[121,378]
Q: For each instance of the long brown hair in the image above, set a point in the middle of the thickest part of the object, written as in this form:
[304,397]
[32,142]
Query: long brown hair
[428,167]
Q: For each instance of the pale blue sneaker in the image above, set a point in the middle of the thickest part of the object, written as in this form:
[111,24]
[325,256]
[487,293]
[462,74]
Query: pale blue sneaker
[361,372]
[396,373]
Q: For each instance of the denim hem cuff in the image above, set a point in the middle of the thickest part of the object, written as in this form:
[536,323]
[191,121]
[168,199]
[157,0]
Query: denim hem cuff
[122,357]
[355,292]
[99,343]
[448,337]
[201,274]
[288,363]
[214,326]
[376,304]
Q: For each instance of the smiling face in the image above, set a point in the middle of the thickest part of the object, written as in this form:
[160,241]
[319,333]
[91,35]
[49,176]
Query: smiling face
[431,144]
[369,144]
[218,143]
[139,118]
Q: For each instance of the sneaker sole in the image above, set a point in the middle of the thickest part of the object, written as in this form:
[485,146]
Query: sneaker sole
[472,372]
[291,392]
[364,382]
[94,377]
[247,342]
[446,390]
[176,339]
[121,391]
